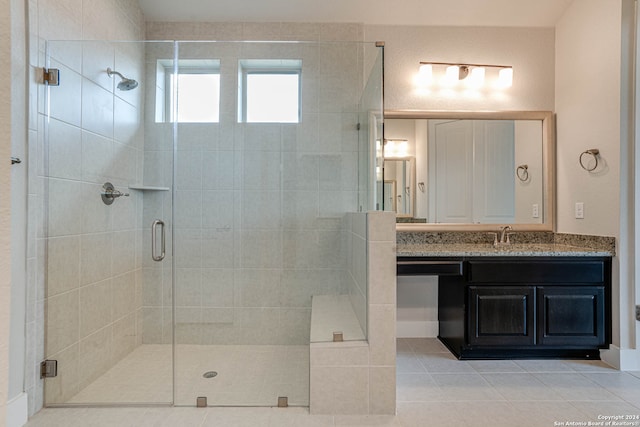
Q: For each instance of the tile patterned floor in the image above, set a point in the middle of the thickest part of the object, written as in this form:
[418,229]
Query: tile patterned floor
[434,389]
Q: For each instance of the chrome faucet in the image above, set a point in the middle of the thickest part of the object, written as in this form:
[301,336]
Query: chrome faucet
[504,235]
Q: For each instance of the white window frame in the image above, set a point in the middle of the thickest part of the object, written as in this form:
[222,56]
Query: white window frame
[247,67]
[186,66]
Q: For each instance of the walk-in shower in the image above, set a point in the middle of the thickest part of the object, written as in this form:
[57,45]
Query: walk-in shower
[252,213]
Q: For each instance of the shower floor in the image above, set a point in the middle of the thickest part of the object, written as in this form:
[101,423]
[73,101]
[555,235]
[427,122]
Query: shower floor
[247,375]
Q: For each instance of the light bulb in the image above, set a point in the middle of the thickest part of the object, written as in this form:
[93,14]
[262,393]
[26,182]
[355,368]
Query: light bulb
[505,77]
[425,75]
[451,75]
[476,78]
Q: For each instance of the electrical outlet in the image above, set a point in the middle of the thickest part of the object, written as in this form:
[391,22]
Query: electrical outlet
[638,312]
[535,211]
[579,210]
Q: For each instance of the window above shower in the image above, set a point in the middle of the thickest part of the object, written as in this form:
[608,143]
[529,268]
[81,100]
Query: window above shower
[269,90]
[198,81]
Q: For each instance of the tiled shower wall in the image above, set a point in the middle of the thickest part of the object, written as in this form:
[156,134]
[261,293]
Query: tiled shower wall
[259,207]
[89,260]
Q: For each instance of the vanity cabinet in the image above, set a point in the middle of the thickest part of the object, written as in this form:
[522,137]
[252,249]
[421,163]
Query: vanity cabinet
[519,307]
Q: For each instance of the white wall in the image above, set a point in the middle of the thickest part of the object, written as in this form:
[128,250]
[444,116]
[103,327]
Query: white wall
[5,193]
[530,51]
[528,135]
[16,409]
[593,111]
[588,115]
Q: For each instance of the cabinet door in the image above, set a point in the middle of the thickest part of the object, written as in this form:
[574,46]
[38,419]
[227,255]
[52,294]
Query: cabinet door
[501,315]
[571,315]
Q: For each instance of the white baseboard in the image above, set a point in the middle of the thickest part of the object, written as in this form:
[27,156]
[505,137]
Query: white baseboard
[417,329]
[623,359]
[18,410]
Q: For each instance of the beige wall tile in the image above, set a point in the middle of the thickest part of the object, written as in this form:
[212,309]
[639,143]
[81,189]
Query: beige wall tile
[339,354]
[95,307]
[124,295]
[336,390]
[97,109]
[60,20]
[124,337]
[65,211]
[123,252]
[63,268]
[95,257]
[382,334]
[382,390]
[62,321]
[381,226]
[152,324]
[382,273]
[94,356]
[64,150]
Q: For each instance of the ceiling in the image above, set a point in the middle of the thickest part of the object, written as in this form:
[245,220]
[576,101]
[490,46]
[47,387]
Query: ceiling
[501,13]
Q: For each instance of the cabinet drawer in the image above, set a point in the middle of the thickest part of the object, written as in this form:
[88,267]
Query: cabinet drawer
[428,267]
[517,271]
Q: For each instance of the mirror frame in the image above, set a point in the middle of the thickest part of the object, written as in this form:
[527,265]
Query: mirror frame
[548,159]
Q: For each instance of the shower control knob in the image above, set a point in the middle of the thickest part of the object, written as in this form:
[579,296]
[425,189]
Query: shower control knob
[109,193]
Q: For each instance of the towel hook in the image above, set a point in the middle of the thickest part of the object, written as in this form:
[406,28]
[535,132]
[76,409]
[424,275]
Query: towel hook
[592,152]
[523,172]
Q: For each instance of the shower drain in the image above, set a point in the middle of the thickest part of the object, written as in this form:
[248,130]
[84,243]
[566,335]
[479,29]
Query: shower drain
[210,374]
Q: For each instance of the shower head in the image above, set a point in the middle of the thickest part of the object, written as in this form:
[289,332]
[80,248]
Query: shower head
[125,83]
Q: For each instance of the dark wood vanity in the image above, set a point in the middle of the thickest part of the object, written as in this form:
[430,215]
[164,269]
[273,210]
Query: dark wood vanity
[498,307]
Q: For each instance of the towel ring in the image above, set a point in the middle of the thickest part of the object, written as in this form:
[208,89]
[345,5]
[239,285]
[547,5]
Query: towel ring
[592,152]
[523,172]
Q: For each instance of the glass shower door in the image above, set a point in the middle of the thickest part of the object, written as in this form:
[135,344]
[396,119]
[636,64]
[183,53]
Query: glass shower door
[107,174]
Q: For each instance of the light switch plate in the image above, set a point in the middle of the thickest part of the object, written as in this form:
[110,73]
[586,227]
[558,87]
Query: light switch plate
[579,210]
[535,211]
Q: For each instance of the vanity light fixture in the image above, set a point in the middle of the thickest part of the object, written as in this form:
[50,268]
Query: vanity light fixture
[396,148]
[473,75]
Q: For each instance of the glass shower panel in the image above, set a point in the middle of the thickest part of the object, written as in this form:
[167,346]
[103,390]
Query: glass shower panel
[107,174]
[259,222]
[371,121]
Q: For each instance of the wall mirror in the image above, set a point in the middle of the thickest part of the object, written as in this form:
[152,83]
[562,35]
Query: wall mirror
[469,170]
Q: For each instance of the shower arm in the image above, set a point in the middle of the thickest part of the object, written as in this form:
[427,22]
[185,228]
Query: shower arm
[111,72]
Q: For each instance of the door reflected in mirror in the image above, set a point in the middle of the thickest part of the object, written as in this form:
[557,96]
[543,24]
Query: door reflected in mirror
[399,186]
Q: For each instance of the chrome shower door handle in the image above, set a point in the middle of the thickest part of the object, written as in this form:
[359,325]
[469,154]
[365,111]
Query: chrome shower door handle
[154,228]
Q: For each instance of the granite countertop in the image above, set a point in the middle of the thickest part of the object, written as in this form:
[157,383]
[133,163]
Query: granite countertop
[483,249]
